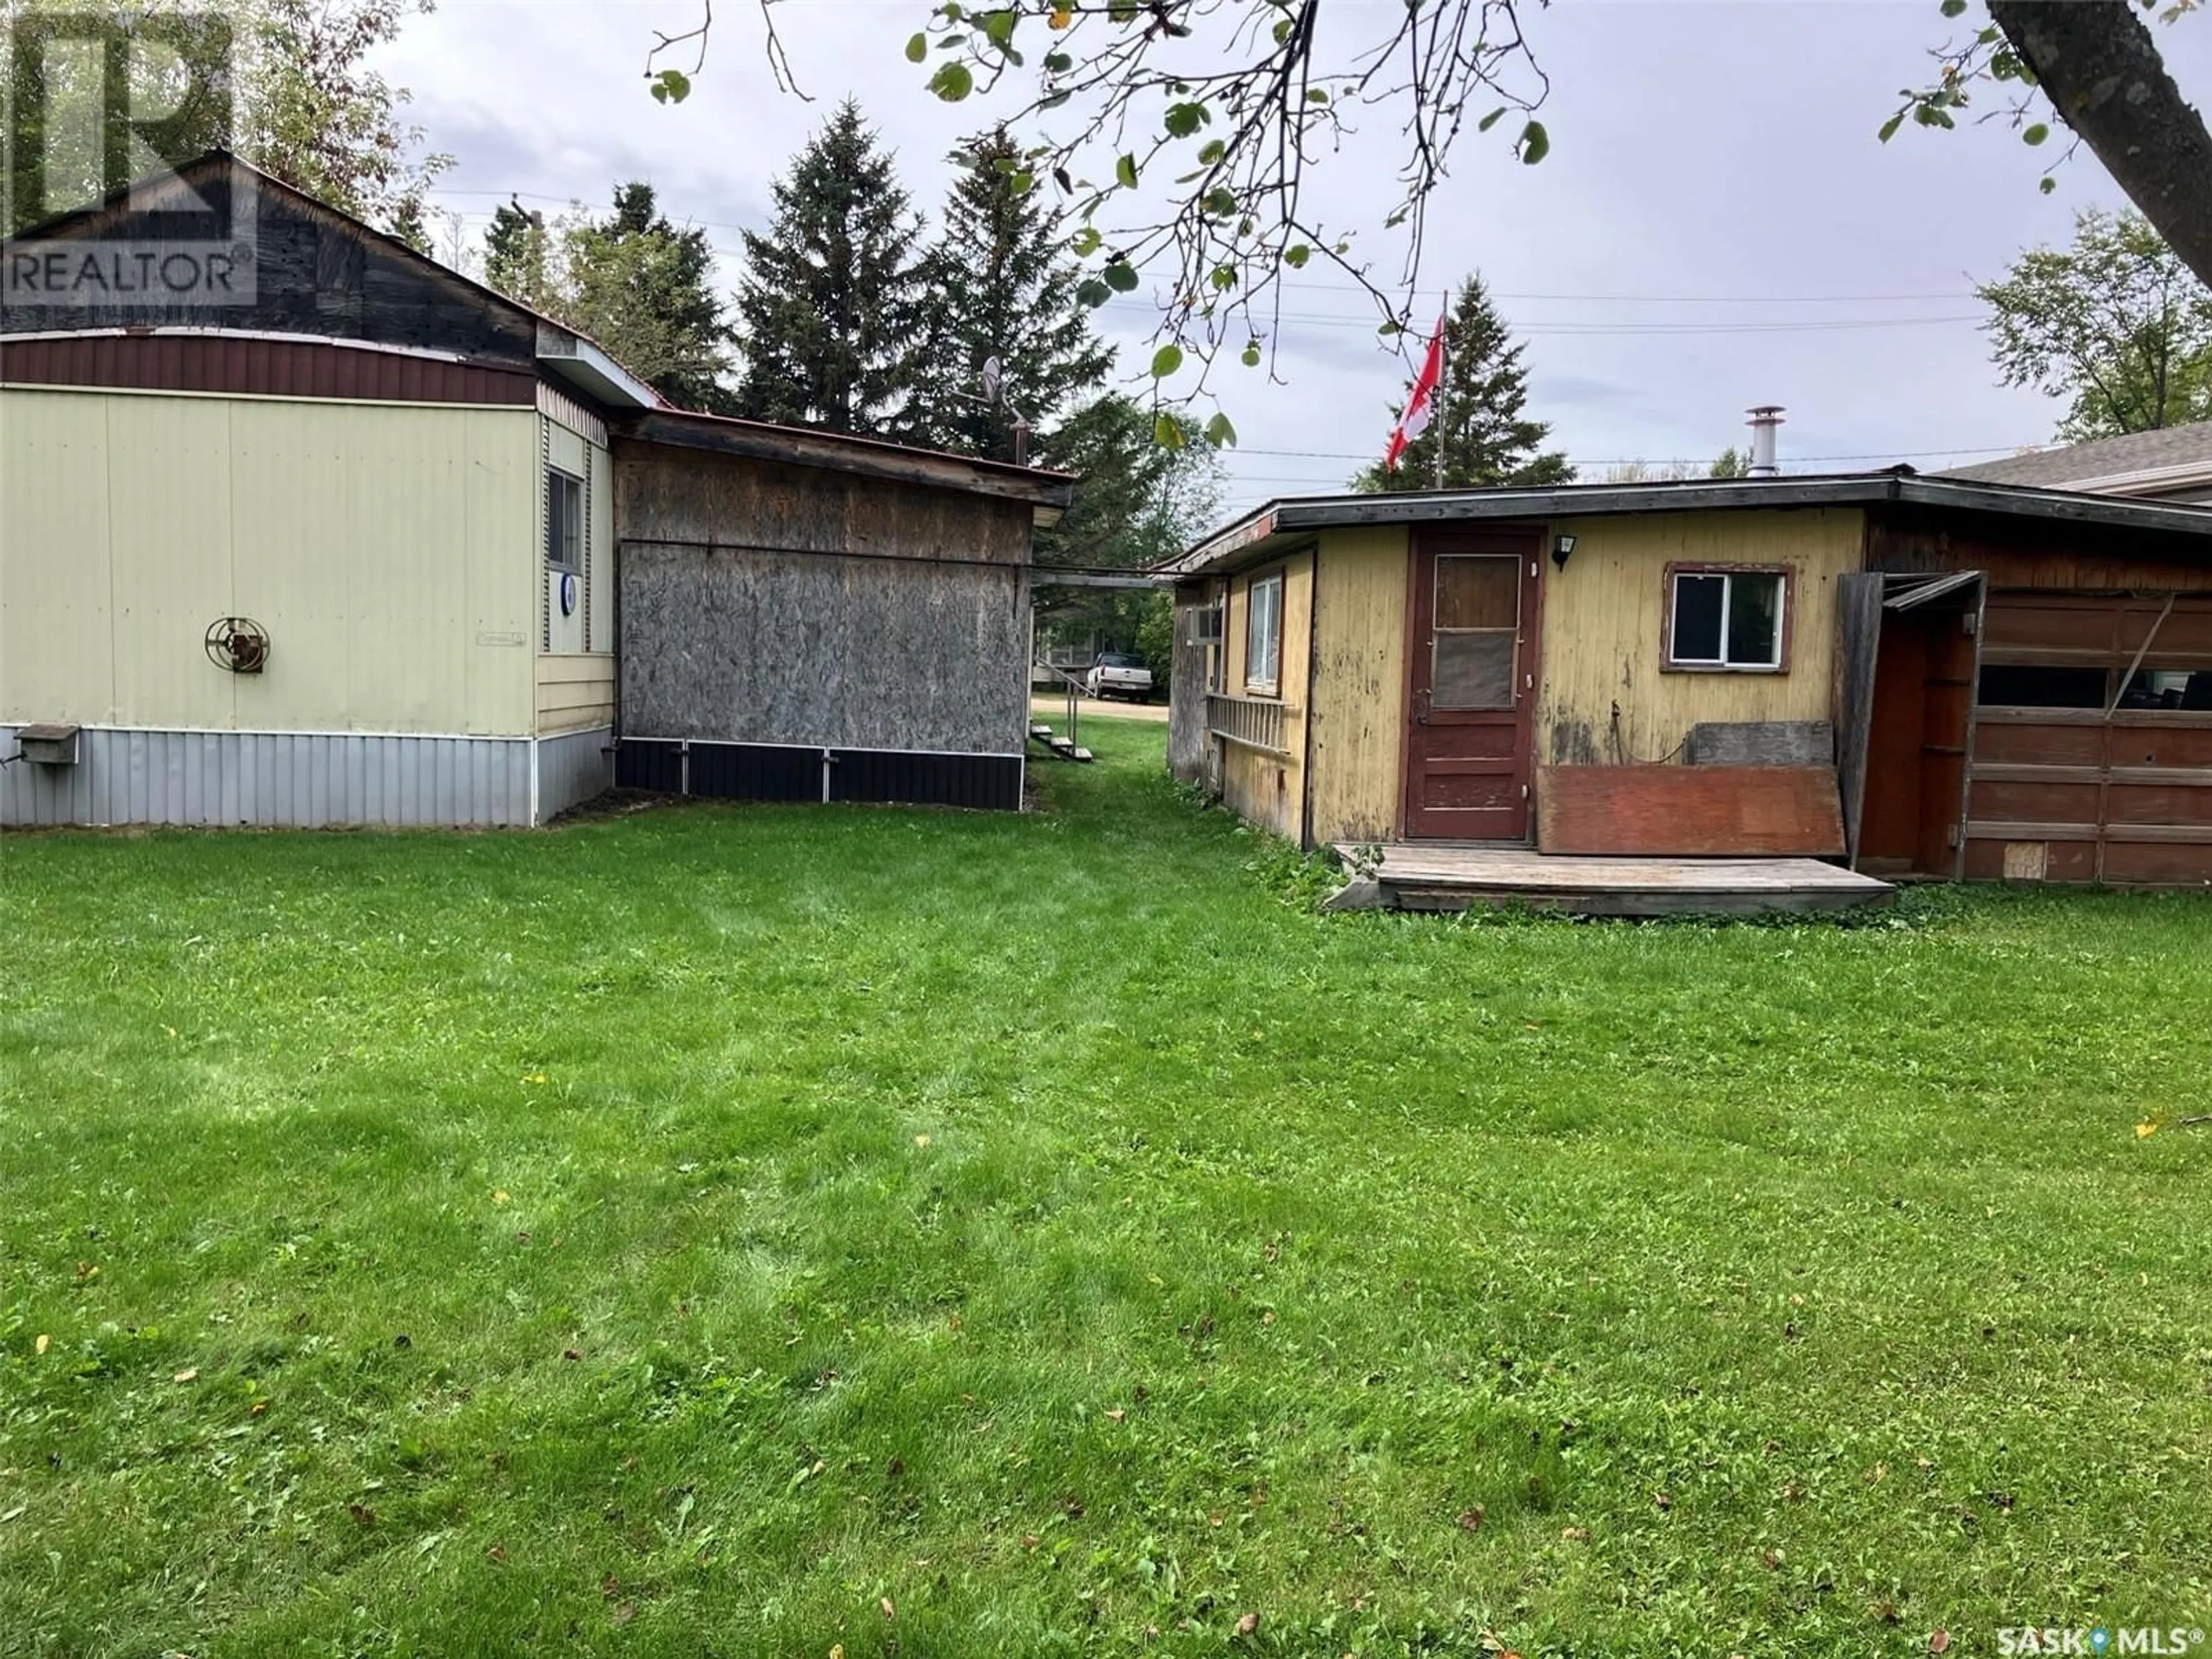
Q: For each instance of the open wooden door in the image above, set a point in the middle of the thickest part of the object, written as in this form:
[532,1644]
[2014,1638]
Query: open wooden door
[1470,658]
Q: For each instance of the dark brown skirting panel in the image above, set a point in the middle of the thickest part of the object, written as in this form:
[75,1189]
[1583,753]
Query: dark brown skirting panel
[256,367]
[779,772]
[1689,811]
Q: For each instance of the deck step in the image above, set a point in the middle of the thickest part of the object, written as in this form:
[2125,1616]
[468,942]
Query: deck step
[1042,733]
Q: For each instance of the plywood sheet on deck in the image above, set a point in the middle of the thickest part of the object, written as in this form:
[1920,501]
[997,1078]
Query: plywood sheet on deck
[1433,876]
[1689,811]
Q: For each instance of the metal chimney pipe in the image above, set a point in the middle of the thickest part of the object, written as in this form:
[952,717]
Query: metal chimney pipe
[1764,420]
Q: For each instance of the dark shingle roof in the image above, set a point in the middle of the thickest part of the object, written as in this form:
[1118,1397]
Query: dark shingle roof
[2174,458]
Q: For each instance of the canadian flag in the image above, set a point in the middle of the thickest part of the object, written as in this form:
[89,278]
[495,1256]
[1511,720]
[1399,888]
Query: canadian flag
[1415,420]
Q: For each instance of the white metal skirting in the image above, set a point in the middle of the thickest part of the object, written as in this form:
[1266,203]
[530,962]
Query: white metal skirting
[574,766]
[287,780]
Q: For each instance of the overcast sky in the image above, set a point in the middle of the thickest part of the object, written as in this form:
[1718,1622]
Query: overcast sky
[1715,225]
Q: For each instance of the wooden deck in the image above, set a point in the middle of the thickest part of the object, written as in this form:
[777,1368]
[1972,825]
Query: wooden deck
[1444,876]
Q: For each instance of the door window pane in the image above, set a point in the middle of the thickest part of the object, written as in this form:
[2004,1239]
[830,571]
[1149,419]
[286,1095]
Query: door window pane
[1478,591]
[1473,669]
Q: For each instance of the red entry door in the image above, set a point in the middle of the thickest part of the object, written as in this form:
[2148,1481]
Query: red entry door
[1472,680]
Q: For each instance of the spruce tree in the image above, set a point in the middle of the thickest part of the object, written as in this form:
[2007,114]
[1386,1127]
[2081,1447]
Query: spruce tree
[1000,284]
[1487,438]
[831,302]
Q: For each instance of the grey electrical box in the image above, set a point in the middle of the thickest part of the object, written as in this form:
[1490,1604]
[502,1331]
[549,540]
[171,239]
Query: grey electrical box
[48,744]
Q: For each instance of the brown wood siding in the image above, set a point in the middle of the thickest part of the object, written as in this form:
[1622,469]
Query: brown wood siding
[2079,794]
[1689,811]
[2035,553]
[230,365]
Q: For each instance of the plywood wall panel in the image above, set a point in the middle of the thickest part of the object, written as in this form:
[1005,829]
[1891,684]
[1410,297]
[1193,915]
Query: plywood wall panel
[1358,684]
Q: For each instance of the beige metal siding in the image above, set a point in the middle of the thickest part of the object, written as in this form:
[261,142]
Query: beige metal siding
[575,691]
[55,636]
[389,549]
[1605,613]
[1359,684]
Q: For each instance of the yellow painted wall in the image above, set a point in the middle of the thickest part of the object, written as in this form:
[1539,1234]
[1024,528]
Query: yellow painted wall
[1263,788]
[1359,711]
[575,691]
[1604,616]
[390,550]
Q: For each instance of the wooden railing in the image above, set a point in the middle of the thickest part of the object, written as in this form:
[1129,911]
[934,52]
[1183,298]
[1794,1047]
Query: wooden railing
[1246,721]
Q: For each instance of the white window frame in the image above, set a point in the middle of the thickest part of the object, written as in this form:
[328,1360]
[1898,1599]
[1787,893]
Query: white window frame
[1727,576]
[574,544]
[1269,682]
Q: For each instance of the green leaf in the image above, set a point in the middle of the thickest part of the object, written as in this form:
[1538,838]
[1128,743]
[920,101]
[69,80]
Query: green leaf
[2047,184]
[1889,127]
[1125,172]
[1316,95]
[1084,242]
[951,9]
[952,83]
[1166,360]
[1296,255]
[1121,275]
[2036,134]
[1220,434]
[1223,277]
[1183,120]
[998,26]
[1167,431]
[1535,143]
[1221,201]
[1250,357]
[1058,63]
[1490,119]
[1954,7]
[671,87]
[917,48]
[1093,293]
[1390,329]
[1211,151]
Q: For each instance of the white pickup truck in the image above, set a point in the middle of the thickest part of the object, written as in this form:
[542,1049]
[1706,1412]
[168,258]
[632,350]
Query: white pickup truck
[1118,674]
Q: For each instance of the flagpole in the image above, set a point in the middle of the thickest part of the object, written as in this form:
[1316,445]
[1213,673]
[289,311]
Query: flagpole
[1443,382]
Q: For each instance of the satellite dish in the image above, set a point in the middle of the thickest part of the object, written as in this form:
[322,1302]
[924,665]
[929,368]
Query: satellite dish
[991,379]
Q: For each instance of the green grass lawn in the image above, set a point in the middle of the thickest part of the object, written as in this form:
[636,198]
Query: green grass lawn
[757,1231]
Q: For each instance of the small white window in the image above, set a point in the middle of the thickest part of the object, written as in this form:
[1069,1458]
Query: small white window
[1263,636]
[1726,619]
[564,521]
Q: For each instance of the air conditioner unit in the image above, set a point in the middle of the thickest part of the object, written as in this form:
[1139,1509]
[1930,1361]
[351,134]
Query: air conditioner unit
[1205,625]
[48,744]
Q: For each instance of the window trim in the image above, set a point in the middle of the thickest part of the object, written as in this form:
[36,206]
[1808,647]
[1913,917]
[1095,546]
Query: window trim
[1268,688]
[1668,664]
[583,529]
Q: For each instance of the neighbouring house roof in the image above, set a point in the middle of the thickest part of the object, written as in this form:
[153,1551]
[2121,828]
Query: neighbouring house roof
[1261,533]
[2174,460]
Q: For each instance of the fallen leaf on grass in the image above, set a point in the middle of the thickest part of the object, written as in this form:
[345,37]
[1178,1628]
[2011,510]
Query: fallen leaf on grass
[189,1374]
[496,1554]
[571,1354]
[1471,1520]
[258,1408]
[1115,1415]
[1575,1535]
[361,1514]
[499,1195]
[888,1610]
[42,1342]
[2147,1127]
[1939,1641]
[1662,1501]
[1247,1624]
